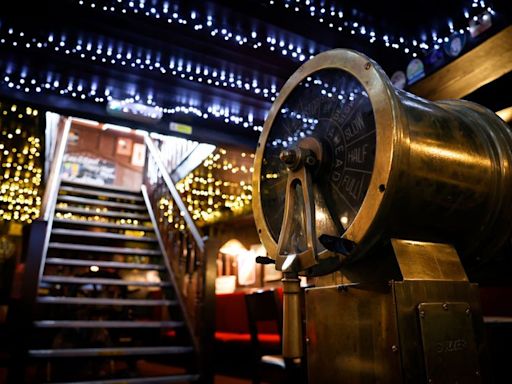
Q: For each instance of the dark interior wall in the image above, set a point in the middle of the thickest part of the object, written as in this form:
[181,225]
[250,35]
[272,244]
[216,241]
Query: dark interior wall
[244,230]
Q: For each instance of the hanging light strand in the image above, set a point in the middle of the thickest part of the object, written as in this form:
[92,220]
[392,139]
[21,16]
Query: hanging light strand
[91,92]
[338,19]
[120,54]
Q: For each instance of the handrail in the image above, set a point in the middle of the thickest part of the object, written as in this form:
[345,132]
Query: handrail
[188,256]
[41,228]
[194,159]
[155,153]
[161,244]
[50,193]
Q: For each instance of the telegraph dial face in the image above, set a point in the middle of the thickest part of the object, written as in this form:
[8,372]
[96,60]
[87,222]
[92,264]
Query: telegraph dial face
[332,106]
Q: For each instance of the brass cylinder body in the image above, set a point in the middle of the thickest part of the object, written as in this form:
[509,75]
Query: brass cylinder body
[452,180]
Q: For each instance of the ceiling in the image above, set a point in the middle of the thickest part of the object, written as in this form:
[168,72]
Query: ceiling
[216,66]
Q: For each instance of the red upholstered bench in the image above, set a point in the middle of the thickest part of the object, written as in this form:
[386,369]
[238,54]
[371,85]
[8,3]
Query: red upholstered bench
[232,326]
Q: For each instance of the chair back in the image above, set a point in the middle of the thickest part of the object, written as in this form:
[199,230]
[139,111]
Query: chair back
[263,314]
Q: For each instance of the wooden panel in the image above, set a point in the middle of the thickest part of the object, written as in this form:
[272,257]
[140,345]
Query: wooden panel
[106,146]
[352,335]
[485,63]
[102,144]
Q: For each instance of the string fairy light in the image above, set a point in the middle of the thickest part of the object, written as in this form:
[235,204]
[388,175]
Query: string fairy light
[332,16]
[20,156]
[127,55]
[83,90]
[217,190]
[205,22]
[339,19]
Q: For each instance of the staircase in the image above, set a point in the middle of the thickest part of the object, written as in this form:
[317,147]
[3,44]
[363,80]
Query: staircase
[106,307]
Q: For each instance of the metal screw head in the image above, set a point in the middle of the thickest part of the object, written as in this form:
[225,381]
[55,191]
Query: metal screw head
[288,156]
[422,313]
[367,66]
[394,348]
[308,340]
[468,311]
[445,306]
[310,160]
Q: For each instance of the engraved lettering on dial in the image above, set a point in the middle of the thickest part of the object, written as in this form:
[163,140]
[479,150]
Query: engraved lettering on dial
[332,106]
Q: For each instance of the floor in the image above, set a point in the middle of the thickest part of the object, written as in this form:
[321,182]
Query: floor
[221,379]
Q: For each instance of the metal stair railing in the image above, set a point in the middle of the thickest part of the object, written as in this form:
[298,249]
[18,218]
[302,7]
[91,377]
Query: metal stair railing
[189,256]
[154,155]
[40,230]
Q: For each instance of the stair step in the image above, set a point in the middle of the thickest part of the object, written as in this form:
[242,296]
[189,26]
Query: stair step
[101,235]
[100,224]
[106,324]
[102,264]
[102,301]
[143,380]
[112,195]
[103,203]
[121,351]
[86,212]
[104,281]
[105,249]
[99,187]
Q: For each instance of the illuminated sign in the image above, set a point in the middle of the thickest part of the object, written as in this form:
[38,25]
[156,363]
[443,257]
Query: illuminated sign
[181,128]
[134,111]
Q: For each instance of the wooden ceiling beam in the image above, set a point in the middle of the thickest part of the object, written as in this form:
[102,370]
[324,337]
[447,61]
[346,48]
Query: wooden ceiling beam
[483,64]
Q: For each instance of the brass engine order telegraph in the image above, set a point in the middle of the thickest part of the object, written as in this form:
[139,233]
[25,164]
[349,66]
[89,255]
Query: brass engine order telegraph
[350,170]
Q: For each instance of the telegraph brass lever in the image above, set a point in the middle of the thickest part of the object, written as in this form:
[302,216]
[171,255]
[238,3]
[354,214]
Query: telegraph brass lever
[337,244]
[264,260]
